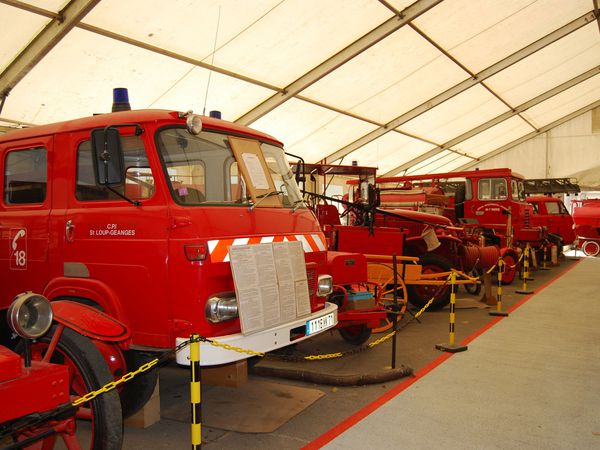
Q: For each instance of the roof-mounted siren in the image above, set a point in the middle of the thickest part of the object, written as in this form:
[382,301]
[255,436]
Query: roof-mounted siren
[120,100]
[215,114]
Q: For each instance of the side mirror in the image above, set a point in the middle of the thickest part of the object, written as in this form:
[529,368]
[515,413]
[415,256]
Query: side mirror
[300,174]
[107,155]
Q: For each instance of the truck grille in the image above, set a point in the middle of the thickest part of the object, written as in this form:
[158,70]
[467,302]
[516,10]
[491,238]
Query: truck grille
[311,275]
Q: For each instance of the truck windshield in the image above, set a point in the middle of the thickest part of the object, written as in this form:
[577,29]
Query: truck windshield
[202,170]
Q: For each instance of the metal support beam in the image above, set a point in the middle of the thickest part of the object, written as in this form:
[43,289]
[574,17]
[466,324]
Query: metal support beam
[542,130]
[496,120]
[345,55]
[47,39]
[466,84]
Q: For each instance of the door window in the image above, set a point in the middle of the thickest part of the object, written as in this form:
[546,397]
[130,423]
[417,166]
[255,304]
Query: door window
[139,182]
[25,176]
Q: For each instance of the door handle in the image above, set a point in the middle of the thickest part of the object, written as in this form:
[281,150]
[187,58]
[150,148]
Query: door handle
[69,230]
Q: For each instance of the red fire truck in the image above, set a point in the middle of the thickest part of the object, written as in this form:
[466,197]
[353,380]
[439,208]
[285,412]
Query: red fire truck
[492,200]
[131,215]
[587,226]
[550,211]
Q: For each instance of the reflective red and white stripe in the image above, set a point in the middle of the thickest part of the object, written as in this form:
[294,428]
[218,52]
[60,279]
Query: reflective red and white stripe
[219,248]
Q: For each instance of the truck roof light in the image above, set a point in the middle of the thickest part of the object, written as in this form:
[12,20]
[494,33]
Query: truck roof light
[215,114]
[195,252]
[120,100]
[194,123]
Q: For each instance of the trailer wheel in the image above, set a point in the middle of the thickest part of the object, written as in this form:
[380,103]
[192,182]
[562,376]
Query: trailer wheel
[88,371]
[591,248]
[355,334]
[419,295]
[510,268]
[138,391]
[474,289]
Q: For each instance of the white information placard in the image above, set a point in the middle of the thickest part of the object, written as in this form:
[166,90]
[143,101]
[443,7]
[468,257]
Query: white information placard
[270,284]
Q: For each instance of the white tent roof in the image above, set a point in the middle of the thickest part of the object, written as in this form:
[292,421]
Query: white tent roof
[424,86]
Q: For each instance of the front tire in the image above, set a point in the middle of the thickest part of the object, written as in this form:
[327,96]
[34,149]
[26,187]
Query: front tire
[355,334]
[88,372]
[139,389]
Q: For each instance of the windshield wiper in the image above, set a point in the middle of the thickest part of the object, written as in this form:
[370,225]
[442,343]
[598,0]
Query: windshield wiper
[260,198]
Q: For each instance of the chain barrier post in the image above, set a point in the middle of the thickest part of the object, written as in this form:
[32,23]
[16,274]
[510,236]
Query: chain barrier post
[451,347]
[195,392]
[525,273]
[499,311]
[545,260]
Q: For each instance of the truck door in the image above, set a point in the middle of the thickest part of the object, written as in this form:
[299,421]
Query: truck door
[113,246]
[24,212]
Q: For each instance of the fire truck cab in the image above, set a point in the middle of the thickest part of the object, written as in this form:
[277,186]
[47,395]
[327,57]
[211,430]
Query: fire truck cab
[133,212]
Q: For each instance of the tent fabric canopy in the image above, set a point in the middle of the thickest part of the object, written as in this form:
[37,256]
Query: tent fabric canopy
[406,86]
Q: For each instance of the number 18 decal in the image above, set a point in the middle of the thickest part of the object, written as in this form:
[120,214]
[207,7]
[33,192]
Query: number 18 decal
[18,249]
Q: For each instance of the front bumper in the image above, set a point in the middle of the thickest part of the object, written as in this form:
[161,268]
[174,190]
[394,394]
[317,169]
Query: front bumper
[263,341]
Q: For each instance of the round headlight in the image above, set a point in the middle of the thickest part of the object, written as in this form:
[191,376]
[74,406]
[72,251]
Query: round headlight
[30,315]
[194,123]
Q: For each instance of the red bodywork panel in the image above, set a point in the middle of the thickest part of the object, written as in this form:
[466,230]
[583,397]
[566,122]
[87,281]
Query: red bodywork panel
[383,241]
[10,365]
[551,213]
[41,387]
[347,268]
[587,219]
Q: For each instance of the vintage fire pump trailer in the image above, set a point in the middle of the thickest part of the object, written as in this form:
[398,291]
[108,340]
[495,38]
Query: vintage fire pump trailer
[587,225]
[131,215]
[375,229]
[37,393]
[492,200]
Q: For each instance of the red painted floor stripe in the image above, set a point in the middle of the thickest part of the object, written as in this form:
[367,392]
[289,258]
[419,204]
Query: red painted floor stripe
[338,429]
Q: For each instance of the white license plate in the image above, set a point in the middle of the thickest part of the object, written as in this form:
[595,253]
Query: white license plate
[320,323]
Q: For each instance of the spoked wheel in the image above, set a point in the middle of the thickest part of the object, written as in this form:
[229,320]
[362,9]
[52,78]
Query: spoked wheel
[509,267]
[591,248]
[355,334]
[474,289]
[419,294]
[88,371]
[382,275]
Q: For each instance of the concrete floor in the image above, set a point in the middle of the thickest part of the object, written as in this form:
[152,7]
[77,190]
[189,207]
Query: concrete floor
[530,381]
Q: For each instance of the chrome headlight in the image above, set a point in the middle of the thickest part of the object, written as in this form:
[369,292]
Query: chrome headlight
[324,285]
[194,123]
[30,315]
[220,309]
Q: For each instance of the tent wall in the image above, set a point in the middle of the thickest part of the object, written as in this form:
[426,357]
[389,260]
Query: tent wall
[569,150]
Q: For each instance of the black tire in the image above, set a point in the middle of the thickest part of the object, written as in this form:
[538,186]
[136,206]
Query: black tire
[78,351]
[474,289]
[419,295]
[355,334]
[138,390]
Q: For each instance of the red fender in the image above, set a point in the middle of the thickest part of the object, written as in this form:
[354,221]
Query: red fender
[89,321]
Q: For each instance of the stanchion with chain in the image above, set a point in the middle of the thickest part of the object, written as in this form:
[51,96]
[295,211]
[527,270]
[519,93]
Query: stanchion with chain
[195,392]
[451,347]
[525,273]
[499,311]
[545,260]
